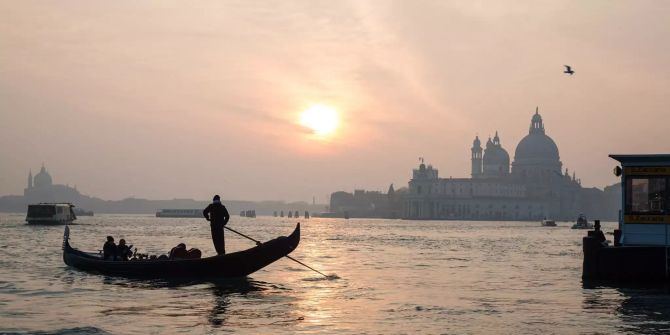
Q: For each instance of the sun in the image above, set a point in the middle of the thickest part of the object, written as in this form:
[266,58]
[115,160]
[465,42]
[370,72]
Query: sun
[321,119]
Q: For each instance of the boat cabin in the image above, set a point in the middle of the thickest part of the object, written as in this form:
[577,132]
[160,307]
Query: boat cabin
[50,213]
[645,182]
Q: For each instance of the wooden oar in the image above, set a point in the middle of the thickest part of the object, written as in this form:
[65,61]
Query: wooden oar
[287,256]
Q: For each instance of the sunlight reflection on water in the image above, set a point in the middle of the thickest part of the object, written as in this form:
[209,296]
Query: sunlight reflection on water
[393,276]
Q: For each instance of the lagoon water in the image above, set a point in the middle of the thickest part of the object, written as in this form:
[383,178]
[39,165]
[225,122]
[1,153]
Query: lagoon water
[395,277]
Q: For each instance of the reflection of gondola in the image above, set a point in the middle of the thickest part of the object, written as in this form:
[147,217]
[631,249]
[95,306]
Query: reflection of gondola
[236,264]
[222,292]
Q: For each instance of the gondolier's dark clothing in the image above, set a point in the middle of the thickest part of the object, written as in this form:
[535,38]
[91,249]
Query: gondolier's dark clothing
[217,215]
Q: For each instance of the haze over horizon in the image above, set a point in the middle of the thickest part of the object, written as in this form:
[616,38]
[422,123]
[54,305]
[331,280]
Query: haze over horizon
[169,99]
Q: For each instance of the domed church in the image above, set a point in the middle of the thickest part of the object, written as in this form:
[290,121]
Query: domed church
[534,189]
[42,189]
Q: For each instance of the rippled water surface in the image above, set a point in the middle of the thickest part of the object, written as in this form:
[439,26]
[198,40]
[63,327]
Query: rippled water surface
[395,277]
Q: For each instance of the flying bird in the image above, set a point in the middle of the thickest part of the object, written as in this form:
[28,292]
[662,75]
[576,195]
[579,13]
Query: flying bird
[568,70]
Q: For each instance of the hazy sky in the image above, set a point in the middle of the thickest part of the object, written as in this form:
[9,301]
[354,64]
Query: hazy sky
[164,99]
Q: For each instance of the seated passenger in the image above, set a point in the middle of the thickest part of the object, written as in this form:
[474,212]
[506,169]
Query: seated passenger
[179,252]
[123,251]
[194,253]
[109,250]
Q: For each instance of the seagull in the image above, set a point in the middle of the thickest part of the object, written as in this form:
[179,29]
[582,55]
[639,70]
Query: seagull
[568,70]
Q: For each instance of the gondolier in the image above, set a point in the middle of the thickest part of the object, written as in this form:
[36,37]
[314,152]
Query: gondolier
[217,215]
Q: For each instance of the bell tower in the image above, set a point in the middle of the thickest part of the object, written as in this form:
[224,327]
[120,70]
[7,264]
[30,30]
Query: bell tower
[476,158]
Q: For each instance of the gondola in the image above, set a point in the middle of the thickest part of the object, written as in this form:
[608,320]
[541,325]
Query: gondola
[233,265]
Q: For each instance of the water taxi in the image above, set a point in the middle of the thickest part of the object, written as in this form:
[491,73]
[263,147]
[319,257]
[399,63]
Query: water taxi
[548,223]
[640,251]
[582,223]
[50,213]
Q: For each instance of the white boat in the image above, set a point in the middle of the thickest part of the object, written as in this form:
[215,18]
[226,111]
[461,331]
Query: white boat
[50,213]
[82,212]
[180,213]
[548,223]
[582,223]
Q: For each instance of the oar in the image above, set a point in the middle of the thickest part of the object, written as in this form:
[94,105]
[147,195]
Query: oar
[287,256]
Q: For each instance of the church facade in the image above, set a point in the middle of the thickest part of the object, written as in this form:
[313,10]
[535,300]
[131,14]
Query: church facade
[41,188]
[531,187]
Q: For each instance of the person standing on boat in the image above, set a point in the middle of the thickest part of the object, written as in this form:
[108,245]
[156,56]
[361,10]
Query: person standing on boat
[217,215]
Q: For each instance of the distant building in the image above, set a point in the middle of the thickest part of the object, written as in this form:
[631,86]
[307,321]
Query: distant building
[42,189]
[365,204]
[534,188]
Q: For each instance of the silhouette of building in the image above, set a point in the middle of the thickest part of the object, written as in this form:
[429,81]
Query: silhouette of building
[366,204]
[42,189]
[535,187]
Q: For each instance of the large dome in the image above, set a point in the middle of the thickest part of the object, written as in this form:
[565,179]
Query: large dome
[536,146]
[43,178]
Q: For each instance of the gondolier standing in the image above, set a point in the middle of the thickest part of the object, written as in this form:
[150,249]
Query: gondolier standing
[217,215]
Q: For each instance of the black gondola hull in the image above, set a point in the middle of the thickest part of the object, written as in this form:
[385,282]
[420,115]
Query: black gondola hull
[233,265]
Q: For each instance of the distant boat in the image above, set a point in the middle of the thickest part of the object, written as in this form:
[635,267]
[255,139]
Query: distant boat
[50,213]
[180,213]
[548,223]
[82,212]
[582,223]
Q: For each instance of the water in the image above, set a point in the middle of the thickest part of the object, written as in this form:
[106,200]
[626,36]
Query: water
[395,277]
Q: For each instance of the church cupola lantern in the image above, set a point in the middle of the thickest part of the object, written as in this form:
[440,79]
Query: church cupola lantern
[536,125]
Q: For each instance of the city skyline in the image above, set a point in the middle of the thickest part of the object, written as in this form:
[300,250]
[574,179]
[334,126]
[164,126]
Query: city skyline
[167,101]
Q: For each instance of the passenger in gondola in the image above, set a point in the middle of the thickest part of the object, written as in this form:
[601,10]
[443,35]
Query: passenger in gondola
[123,251]
[109,249]
[178,252]
[217,215]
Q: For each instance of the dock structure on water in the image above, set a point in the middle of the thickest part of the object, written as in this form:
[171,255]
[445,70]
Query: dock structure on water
[640,250]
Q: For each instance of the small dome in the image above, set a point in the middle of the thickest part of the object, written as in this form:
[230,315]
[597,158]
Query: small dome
[494,155]
[43,178]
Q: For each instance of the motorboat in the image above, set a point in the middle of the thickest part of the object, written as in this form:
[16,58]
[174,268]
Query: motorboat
[50,213]
[582,223]
[548,223]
